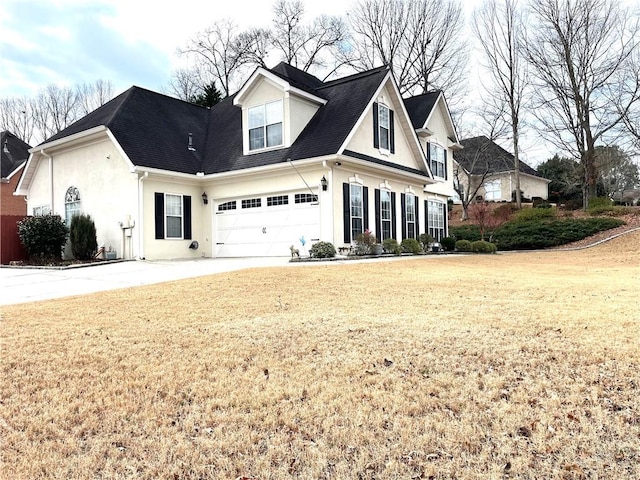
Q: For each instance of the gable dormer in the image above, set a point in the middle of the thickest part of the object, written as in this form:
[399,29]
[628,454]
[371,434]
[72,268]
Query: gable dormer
[274,111]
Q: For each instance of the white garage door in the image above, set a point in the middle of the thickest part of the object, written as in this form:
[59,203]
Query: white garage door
[266,226]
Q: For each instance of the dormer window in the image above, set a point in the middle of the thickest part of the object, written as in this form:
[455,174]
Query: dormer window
[383,128]
[265,126]
[437,160]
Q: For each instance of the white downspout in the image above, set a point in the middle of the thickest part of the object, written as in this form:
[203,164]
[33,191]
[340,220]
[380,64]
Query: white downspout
[42,152]
[141,215]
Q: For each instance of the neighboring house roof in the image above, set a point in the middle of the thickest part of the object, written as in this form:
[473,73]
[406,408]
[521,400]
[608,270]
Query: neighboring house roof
[481,155]
[13,153]
[153,128]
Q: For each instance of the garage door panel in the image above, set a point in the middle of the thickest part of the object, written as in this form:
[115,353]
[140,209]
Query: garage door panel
[265,231]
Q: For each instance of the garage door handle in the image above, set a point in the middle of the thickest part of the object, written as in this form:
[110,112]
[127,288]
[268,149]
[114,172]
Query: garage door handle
[264,229]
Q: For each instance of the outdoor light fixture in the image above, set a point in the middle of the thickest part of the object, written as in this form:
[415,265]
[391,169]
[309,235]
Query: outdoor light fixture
[205,199]
[324,184]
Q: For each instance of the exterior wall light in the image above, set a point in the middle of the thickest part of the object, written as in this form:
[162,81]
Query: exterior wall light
[324,183]
[205,199]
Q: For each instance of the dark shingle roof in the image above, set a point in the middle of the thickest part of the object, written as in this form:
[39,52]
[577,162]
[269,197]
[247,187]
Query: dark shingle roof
[13,152]
[419,107]
[153,128]
[323,135]
[481,154]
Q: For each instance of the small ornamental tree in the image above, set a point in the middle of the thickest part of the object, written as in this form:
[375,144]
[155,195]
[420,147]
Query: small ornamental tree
[82,235]
[43,237]
[487,218]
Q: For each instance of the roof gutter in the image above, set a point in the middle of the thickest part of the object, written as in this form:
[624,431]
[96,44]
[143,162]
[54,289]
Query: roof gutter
[69,139]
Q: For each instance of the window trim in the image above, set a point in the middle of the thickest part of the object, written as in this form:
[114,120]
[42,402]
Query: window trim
[439,231]
[265,126]
[386,221]
[353,217]
[72,204]
[410,208]
[433,161]
[181,217]
[385,148]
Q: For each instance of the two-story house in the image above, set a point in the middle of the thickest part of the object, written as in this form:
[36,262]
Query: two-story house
[287,160]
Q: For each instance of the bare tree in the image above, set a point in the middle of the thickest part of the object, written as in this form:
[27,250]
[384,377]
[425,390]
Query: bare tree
[93,95]
[470,171]
[222,52]
[421,41]
[499,25]
[305,45]
[581,53]
[185,83]
[55,109]
[16,116]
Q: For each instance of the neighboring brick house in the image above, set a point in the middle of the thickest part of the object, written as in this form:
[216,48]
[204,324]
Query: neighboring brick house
[13,157]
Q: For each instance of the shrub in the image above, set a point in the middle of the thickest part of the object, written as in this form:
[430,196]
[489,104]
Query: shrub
[599,202]
[411,245]
[448,243]
[550,233]
[365,242]
[469,232]
[82,235]
[425,240]
[390,245]
[535,214]
[43,237]
[543,205]
[322,250]
[463,245]
[481,246]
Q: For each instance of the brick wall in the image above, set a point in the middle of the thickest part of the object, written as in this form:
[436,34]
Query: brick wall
[9,203]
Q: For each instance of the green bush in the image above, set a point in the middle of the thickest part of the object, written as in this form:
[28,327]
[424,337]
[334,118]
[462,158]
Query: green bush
[469,232]
[322,250]
[43,237]
[550,233]
[463,245]
[481,246]
[448,244]
[411,245]
[390,245]
[425,240]
[82,235]
[543,205]
[599,202]
[535,214]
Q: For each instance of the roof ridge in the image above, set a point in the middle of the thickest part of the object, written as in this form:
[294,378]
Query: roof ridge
[355,76]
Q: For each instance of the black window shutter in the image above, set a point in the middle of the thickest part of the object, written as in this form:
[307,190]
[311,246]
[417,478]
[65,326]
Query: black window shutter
[365,207]
[159,215]
[186,216]
[346,212]
[403,209]
[392,143]
[376,132]
[426,216]
[446,173]
[394,233]
[378,217]
[417,202]
[445,207]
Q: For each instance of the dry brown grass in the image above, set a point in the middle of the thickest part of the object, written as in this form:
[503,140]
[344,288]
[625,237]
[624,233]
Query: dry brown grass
[508,366]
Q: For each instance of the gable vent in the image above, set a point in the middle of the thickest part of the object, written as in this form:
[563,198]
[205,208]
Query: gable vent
[191,147]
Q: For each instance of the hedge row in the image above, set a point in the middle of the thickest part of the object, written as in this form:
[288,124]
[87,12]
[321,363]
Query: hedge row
[529,235]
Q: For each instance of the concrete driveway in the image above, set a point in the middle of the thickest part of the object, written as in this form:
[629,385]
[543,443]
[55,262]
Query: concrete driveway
[20,285]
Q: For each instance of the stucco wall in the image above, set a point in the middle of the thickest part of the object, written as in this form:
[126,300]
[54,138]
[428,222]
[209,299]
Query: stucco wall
[108,191]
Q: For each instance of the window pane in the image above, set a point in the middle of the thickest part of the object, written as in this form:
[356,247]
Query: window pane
[274,135]
[174,227]
[273,112]
[385,204]
[410,208]
[173,204]
[256,138]
[356,227]
[256,116]
[384,138]
[383,114]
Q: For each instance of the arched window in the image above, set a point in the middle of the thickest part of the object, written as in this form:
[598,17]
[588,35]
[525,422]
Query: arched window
[72,206]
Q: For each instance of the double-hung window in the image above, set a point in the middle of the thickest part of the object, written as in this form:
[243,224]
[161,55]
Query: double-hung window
[438,160]
[383,136]
[410,215]
[385,214]
[173,215]
[435,220]
[265,125]
[357,210]
[384,126]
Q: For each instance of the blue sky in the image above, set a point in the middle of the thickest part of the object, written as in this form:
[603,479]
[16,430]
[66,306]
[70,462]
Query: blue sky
[129,42]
